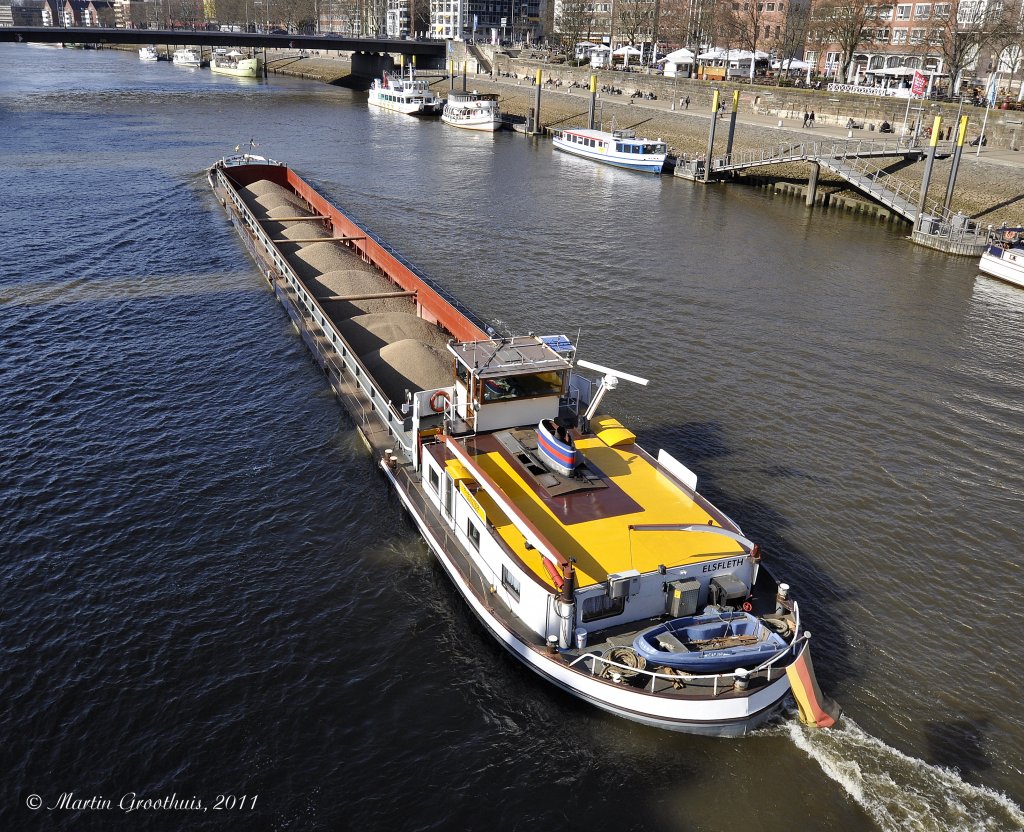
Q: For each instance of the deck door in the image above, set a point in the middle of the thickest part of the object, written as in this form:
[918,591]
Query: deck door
[448,500]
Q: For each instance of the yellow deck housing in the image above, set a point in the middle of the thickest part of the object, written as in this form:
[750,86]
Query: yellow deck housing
[606,544]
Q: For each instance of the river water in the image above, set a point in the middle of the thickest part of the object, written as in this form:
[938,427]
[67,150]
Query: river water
[208,589]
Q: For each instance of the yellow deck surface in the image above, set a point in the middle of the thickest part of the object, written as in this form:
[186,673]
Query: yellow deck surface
[605,545]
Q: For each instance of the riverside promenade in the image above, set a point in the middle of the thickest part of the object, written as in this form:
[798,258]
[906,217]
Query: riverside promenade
[990,183]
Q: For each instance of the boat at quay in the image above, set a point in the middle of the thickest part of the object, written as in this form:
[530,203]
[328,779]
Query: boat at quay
[236,64]
[620,148]
[148,54]
[188,57]
[566,556]
[404,95]
[1005,256]
[472,111]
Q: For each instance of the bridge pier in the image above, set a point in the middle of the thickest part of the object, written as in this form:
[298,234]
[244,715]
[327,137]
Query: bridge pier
[812,184]
[369,65]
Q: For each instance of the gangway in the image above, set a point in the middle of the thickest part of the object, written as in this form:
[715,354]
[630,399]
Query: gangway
[847,159]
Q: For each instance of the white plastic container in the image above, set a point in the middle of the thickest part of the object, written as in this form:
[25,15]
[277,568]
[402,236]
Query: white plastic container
[581,638]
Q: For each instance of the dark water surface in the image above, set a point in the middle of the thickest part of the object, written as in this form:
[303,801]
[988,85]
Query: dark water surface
[207,589]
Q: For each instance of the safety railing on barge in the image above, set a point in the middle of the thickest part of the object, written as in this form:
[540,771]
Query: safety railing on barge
[713,681]
[382,406]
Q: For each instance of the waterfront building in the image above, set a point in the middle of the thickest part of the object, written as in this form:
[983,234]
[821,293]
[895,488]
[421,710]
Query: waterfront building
[513,21]
[851,41]
[6,16]
[28,13]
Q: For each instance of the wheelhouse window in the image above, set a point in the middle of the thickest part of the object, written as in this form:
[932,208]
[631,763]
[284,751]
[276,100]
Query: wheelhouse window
[433,478]
[473,533]
[522,387]
[509,581]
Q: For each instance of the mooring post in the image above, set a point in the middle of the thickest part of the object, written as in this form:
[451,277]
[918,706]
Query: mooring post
[593,101]
[732,122]
[812,184]
[927,178]
[536,107]
[960,134]
[464,64]
[451,73]
[266,69]
[711,135]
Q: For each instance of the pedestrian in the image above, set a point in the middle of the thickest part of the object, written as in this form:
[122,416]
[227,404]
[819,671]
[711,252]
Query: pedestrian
[806,118]
[686,103]
[811,120]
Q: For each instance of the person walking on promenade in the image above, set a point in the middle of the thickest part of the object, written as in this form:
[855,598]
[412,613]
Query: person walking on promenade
[811,120]
[806,118]
[686,103]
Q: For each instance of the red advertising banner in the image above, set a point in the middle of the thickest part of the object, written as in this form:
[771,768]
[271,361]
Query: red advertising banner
[920,84]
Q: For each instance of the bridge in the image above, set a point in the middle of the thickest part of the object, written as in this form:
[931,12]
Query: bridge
[367,53]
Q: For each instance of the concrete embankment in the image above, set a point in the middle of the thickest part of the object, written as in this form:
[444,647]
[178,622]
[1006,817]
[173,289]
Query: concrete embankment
[988,189]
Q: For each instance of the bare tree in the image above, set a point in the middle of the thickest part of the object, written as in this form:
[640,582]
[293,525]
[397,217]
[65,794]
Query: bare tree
[794,33]
[635,19]
[574,18]
[963,29]
[842,22]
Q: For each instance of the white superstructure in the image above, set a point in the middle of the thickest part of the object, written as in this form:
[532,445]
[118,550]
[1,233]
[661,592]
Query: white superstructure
[472,111]
[411,96]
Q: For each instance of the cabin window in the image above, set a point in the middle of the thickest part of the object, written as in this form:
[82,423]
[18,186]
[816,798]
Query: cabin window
[509,582]
[434,478]
[522,387]
[473,533]
[601,606]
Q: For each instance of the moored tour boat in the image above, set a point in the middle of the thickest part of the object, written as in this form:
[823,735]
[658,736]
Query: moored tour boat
[1005,256]
[148,54]
[620,148]
[472,111]
[187,57]
[410,95]
[236,64]
[566,567]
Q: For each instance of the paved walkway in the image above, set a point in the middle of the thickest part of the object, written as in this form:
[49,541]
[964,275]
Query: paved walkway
[994,155]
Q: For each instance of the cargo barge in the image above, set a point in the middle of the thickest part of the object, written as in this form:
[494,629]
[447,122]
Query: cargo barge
[597,565]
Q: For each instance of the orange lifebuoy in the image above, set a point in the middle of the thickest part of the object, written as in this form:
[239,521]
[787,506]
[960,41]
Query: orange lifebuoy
[747,606]
[439,401]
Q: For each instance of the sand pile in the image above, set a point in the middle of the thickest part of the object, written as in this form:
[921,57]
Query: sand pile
[263,197]
[350,282]
[371,333]
[312,259]
[408,365]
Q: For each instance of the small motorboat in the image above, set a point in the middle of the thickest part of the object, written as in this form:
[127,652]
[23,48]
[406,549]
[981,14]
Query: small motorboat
[713,642]
[1005,256]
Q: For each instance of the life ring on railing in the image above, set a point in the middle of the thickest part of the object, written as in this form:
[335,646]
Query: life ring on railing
[747,606]
[439,401]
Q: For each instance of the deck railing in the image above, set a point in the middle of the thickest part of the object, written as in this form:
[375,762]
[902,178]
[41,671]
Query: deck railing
[767,667]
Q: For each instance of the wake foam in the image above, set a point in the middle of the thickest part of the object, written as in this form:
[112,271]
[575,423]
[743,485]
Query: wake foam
[901,792]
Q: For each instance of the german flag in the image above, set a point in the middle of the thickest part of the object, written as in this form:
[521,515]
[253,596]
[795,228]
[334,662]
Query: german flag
[815,708]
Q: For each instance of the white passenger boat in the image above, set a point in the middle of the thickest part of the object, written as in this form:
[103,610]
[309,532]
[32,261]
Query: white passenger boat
[571,555]
[620,148]
[410,95]
[148,54]
[472,111]
[1005,256]
[236,64]
[187,57]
